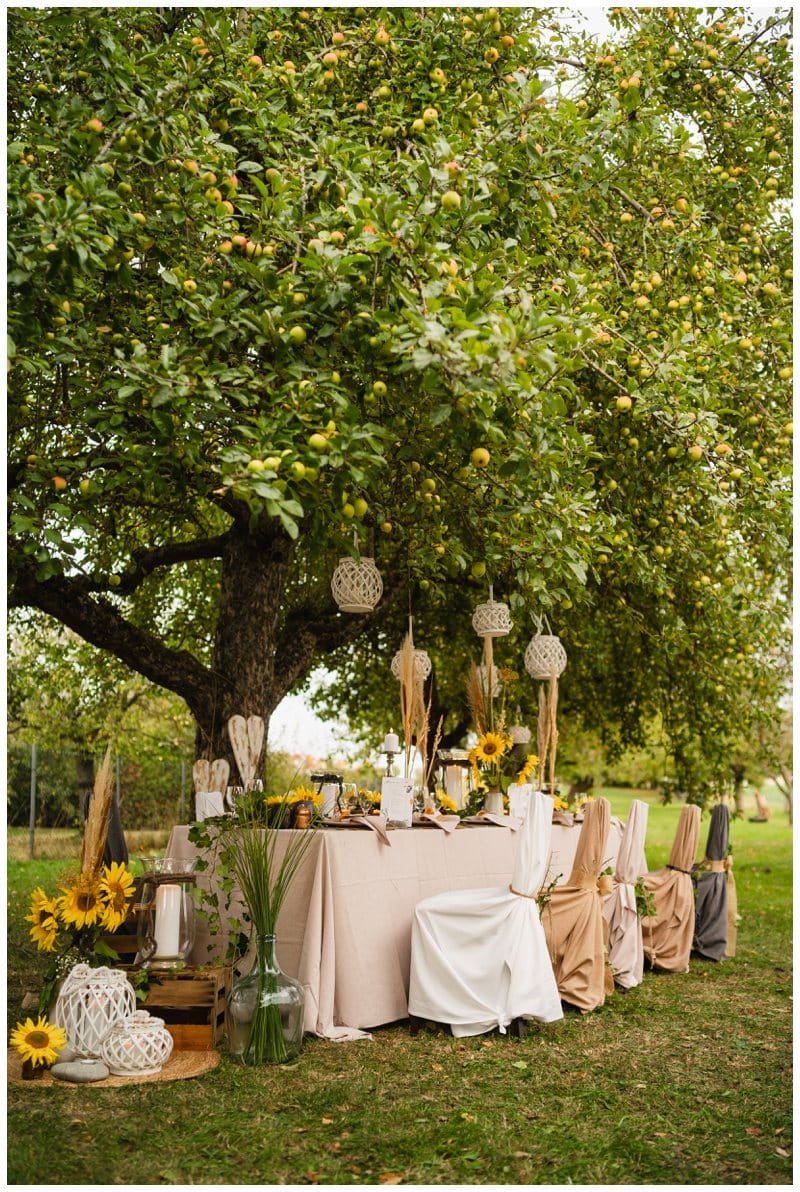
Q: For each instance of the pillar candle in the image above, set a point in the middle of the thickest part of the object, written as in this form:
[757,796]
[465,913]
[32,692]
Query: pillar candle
[168,920]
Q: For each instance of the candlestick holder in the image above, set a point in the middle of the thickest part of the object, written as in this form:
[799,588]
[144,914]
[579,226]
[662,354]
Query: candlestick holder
[390,755]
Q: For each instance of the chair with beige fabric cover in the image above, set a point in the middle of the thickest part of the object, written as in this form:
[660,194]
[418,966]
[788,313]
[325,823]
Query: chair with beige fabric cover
[478,957]
[625,949]
[668,935]
[573,918]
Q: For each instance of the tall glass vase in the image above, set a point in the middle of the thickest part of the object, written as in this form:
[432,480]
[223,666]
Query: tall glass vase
[265,1011]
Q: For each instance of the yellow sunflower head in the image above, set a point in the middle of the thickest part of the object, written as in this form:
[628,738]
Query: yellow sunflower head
[492,746]
[531,762]
[39,1042]
[44,917]
[82,904]
[116,889]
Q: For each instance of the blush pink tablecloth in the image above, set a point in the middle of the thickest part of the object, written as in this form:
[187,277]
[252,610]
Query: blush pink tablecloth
[344,930]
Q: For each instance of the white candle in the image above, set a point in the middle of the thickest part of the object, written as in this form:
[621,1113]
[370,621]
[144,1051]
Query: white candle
[168,920]
[391,743]
[454,784]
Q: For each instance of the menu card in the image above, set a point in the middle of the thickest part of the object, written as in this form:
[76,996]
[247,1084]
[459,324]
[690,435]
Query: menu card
[397,800]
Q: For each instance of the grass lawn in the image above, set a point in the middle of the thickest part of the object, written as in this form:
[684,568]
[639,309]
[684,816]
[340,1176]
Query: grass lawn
[686,1080]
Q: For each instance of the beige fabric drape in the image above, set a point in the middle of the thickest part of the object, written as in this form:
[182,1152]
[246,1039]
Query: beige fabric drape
[625,949]
[573,919]
[668,935]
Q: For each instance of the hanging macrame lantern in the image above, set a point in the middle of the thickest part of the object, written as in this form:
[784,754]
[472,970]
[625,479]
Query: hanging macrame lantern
[422,663]
[545,656]
[520,735]
[492,619]
[356,585]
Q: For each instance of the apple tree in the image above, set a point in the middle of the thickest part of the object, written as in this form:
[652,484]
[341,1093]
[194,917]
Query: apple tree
[457,289]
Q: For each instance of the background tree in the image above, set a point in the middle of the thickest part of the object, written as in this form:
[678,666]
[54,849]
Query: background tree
[457,287]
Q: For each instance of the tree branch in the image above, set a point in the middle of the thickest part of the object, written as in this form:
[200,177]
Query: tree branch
[101,624]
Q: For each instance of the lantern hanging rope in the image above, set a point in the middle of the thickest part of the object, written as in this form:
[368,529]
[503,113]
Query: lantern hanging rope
[490,620]
[545,660]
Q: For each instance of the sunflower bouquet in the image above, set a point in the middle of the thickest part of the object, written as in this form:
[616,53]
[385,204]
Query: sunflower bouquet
[495,759]
[93,901]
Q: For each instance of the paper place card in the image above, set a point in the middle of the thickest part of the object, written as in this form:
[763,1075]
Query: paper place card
[397,800]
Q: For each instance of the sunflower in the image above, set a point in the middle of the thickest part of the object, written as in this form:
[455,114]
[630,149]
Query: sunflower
[305,794]
[39,1042]
[491,747]
[43,915]
[82,904]
[531,762]
[116,887]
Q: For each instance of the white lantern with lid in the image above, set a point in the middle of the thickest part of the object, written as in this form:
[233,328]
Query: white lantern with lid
[492,619]
[138,1045]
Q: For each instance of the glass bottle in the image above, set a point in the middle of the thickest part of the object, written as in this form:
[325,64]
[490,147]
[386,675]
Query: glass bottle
[265,1011]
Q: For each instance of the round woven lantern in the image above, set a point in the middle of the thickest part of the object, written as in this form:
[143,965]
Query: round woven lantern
[520,735]
[545,656]
[422,665]
[492,619]
[91,1001]
[138,1045]
[356,585]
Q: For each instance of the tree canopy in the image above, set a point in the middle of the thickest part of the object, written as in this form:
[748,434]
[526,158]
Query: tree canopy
[457,289]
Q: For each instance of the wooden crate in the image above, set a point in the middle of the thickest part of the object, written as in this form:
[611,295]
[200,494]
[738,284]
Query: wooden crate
[191,1002]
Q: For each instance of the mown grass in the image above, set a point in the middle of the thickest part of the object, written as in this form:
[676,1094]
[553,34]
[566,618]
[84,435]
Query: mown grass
[686,1080]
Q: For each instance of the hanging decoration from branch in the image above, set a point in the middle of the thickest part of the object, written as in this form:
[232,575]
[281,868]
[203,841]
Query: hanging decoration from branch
[356,584]
[545,659]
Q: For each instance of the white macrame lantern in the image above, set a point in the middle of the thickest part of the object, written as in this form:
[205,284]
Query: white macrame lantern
[91,1001]
[138,1045]
[422,665]
[492,619]
[545,656]
[356,585]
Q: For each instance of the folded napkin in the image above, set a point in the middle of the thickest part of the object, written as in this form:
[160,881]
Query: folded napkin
[448,823]
[376,822]
[503,821]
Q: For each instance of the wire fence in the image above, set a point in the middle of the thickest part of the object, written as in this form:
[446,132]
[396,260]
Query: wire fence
[48,789]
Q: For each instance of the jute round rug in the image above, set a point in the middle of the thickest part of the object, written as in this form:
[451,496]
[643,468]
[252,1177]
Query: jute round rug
[181,1065]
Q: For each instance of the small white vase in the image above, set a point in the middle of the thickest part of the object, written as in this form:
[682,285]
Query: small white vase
[493,803]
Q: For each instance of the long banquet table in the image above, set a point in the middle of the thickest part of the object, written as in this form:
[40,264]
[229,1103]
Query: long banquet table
[344,929]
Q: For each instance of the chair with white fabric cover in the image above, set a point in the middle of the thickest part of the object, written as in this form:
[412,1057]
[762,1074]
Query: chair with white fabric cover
[573,918]
[668,934]
[479,960]
[625,948]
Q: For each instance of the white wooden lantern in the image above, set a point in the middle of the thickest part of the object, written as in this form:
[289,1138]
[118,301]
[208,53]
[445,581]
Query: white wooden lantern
[91,1001]
[492,619]
[356,585]
[138,1045]
[545,656]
